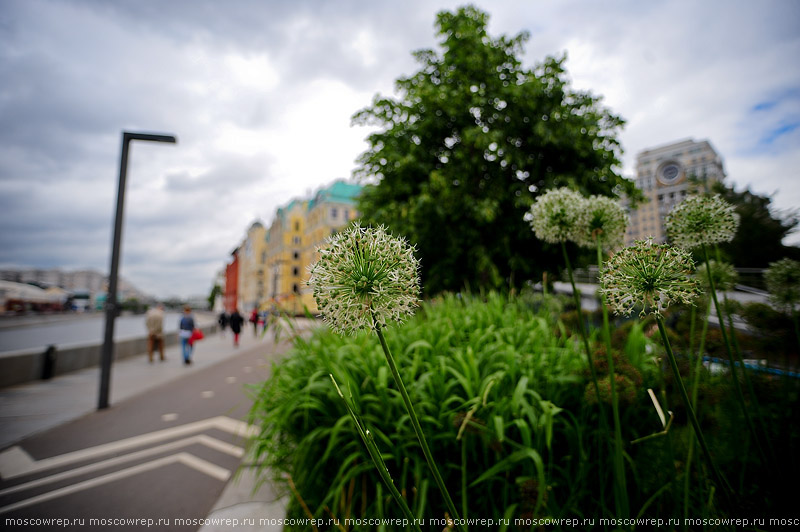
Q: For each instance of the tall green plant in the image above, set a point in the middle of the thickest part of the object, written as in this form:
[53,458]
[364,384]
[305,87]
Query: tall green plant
[699,222]
[554,218]
[364,279]
[656,276]
[601,225]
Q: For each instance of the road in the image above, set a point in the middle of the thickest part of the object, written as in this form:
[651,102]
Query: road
[163,455]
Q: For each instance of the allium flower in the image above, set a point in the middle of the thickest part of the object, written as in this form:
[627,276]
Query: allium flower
[699,220]
[555,213]
[364,276]
[724,275]
[783,282]
[653,275]
[603,219]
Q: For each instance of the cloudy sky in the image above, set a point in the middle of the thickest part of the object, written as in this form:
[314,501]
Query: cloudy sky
[260,95]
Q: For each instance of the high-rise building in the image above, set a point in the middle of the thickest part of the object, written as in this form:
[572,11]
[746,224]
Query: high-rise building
[666,175]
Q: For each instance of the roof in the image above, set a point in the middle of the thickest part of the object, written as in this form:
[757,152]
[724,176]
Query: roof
[338,192]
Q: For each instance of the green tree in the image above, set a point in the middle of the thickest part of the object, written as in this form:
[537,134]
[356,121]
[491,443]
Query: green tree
[469,142]
[759,239]
[216,290]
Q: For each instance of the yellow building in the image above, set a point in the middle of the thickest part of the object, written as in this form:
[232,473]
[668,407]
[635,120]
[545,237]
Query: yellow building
[285,268]
[252,258]
[293,238]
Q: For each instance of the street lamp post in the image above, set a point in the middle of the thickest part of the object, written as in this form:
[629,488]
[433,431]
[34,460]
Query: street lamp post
[111,297]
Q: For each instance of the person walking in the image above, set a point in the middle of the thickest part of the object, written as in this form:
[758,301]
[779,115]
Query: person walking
[223,323]
[185,329]
[154,321]
[254,321]
[236,321]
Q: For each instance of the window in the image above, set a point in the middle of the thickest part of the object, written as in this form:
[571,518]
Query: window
[334,212]
[295,271]
[296,240]
[296,288]
[296,255]
[346,215]
[296,225]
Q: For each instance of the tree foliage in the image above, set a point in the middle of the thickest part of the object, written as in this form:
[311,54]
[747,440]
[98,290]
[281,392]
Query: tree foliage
[216,291]
[470,140]
[759,239]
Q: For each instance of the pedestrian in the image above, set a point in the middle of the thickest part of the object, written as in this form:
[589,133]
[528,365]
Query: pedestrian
[254,321]
[236,321]
[223,323]
[154,321]
[185,333]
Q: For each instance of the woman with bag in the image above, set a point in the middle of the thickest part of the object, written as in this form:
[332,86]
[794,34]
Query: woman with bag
[185,331]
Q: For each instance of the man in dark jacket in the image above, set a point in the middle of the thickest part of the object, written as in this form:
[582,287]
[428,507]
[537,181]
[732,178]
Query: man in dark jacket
[235,321]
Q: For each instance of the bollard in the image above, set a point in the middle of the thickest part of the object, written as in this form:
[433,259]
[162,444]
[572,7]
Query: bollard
[49,363]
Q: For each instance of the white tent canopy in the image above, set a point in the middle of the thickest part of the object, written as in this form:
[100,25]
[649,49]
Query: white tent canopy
[29,293]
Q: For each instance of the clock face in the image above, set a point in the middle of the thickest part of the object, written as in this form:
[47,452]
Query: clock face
[669,174]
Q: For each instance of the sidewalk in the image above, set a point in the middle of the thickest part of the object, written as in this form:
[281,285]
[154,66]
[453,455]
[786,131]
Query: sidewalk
[32,408]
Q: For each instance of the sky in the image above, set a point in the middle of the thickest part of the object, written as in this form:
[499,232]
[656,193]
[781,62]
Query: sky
[260,95]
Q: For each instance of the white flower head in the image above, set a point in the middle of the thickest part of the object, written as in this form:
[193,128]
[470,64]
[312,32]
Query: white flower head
[602,219]
[365,276]
[555,213]
[723,274]
[699,220]
[651,275]
[783,282]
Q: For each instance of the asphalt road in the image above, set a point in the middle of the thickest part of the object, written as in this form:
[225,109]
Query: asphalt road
[161,457]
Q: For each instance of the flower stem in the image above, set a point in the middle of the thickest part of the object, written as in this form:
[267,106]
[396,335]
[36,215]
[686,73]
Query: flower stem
[582,330]
[378,462]
[698,364]
[418,429]
[723,484]
[748,381]
[464,491]
[729,352]
[619,465]
[603,421]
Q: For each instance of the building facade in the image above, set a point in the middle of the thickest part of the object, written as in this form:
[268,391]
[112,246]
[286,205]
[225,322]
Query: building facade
[252,260]
[292,240]
[666,175]
[232,282]
[285,264]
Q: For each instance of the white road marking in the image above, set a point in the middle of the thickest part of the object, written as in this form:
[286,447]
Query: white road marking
[230,380]
[15,462]
[248,369]
[184,458]
[201,439]
[169,417]
[208,394]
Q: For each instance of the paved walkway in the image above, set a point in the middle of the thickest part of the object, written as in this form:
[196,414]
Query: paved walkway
[32,408]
